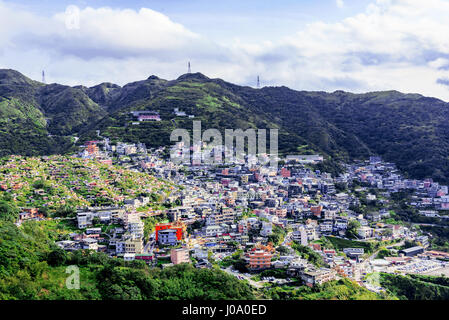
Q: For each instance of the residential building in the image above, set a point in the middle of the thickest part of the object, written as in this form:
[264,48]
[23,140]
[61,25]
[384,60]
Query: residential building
[129,244]
[320,276]
[259,259]
[180,255]
[167,237]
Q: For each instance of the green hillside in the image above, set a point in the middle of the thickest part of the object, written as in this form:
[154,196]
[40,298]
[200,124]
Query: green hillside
[408,129]
[33,268]
[416,287]
[39,119]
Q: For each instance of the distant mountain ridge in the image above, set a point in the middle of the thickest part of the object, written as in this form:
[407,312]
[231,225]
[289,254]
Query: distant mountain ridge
[408,129]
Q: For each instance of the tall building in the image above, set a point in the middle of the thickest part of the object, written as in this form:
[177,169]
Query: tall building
[134,224]
[92,148]
[301,236]
[259,259]
[129,245]
[180,255]
[167,237]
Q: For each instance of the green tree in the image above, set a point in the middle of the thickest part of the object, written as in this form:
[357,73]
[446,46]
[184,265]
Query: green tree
[8,211]
[65,211]
[352,229]
[57,257]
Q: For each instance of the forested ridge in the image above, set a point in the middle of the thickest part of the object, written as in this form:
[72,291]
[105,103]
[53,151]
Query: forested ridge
[408,129]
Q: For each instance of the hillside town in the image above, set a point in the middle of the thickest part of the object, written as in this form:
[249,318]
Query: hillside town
[265,225]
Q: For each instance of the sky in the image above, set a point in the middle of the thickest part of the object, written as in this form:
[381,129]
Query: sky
[319,45]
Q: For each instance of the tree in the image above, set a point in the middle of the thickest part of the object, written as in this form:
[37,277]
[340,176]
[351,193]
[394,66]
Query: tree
[326,243]
[387,233]
[96,221]
[65,211]
[44,211]
[240,265]
[383,252]
[277,236]
[352,230]
[409,244]
[340,186]
[282,250]
[233,244]
[57,257]
[8,211]
[308,254]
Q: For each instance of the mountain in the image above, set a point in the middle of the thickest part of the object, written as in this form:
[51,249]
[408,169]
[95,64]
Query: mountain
[408,129]
[37,118]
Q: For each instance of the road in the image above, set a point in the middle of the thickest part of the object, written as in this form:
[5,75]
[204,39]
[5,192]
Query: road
[363,266]
[149,246]
[287,239]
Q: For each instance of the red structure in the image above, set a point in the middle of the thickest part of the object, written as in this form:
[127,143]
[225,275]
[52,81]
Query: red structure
[145,257]
[285,173]
[163,226]
[150,117]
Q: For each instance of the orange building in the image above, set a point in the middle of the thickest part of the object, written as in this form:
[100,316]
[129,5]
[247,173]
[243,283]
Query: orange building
[29,213]
[281,213]
[316,210]
[259,259]
[92,149]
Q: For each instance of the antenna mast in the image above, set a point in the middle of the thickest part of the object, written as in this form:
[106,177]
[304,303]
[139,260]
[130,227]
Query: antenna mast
[189,70]
[258,82]
[43,76]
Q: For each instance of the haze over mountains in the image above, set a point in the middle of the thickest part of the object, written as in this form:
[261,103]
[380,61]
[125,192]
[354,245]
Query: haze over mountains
[408,129]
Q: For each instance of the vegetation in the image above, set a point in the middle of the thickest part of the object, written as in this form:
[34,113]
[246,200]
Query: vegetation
[277,273]
[8,211]
[36,119]
[343,289]
[31,267]
[407,129]
[278,235]
[416,287]
[384,252]
[352,229]
[308,254]
[339,244]
[58,184]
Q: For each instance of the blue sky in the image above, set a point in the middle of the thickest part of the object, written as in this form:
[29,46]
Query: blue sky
[250,19]
[358,46]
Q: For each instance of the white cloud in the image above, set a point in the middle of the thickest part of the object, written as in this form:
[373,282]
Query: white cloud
[340,3]
[394,44]
[104,44]
[107,32]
